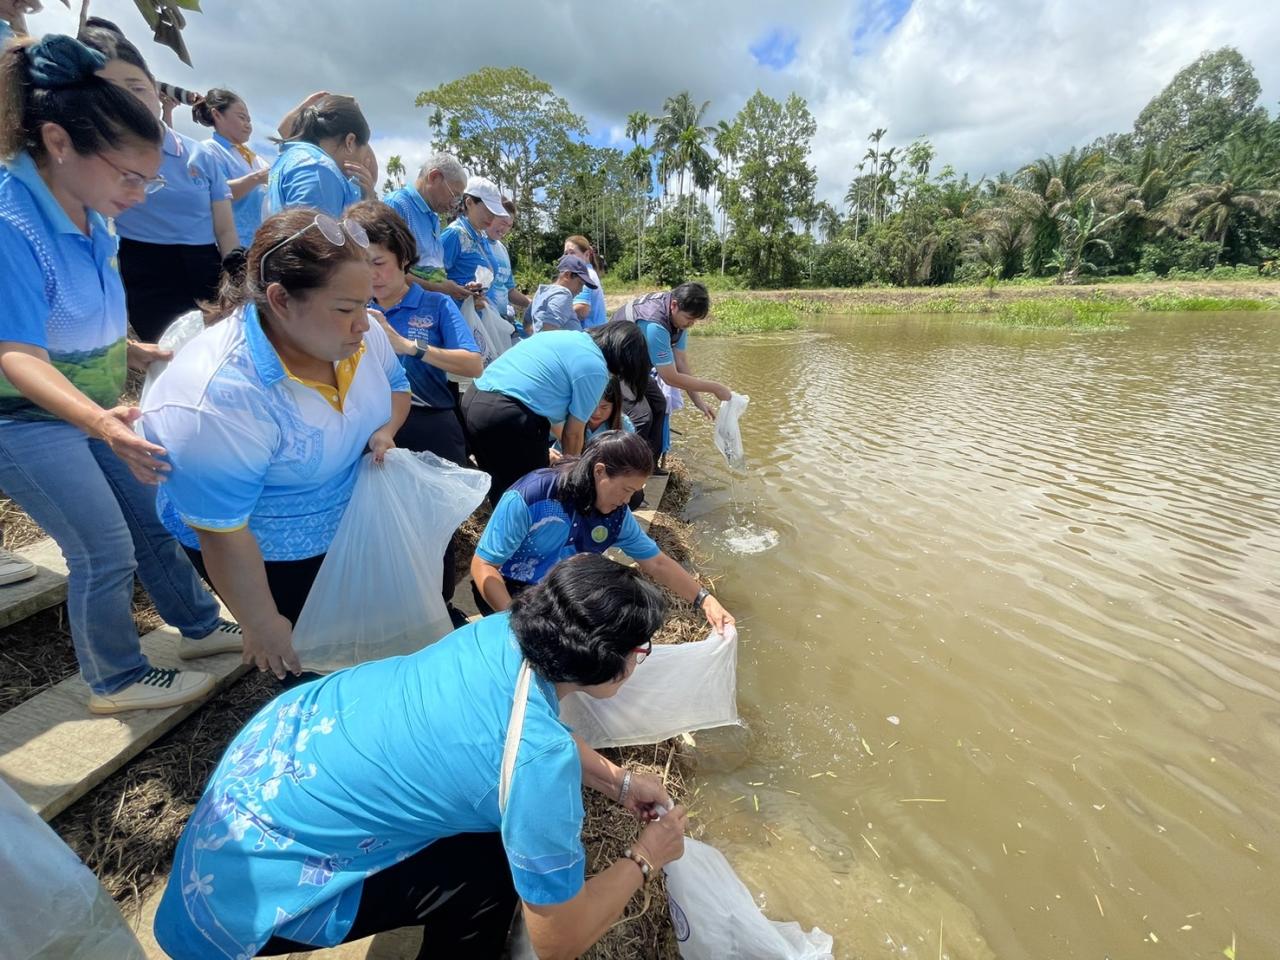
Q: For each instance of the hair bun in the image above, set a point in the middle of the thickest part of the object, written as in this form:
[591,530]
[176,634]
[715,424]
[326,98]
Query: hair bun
[59,61]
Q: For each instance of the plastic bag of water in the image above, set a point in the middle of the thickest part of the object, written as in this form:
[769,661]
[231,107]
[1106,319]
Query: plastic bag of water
[728,436]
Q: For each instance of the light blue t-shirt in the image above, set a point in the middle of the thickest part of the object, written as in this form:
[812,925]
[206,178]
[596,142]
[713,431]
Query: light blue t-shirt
[558,374]
[346,776]
[465,248]
[424,224]
[305,176]
[61,291]
[661,347]
[434,319]
[248,209]
[504,280]
[182,211]
[552,309]
[594,298]
[591,432]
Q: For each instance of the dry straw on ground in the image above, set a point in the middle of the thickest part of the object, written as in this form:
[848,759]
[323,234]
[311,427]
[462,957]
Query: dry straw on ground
[126,830]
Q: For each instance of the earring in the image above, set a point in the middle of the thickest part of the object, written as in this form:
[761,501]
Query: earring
[60,161]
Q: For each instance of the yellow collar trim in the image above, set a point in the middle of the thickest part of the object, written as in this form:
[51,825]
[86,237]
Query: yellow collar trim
[344,372]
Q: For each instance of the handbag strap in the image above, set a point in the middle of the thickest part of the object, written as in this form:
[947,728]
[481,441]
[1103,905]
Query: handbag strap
[515,728]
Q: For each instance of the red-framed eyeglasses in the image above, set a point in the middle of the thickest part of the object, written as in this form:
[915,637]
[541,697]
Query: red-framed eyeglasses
[642,652]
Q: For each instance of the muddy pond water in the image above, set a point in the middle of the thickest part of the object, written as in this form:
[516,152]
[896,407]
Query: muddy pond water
[1011,615]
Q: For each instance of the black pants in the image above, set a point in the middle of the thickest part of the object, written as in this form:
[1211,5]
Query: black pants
[507,439]
[164,281]
[458,890]
[514,588]
[649,414]
[288,580]
[438,431]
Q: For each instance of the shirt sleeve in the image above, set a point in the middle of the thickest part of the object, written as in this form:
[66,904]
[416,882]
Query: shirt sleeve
[506,529]
[451,244]
[387,359]
[542,825]
[207,163]
[584,296]
[454,331]
[219,466]
[660,354]
[633,541]
[311,185]
[682,341]
[585,393]
[25,314]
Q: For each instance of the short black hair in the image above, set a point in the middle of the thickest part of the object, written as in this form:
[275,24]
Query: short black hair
[586,616]
[626,352]
[693,299]
[386,228]
[619,451]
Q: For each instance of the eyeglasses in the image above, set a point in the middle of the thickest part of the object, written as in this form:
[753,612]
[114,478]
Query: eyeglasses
[333,231]
[135,181]
[643,652]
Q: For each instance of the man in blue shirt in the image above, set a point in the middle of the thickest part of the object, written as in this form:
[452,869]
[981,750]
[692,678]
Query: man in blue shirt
[552,307]
[665,319]
[437,191]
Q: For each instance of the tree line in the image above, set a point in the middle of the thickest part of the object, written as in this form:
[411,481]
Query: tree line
[1193,188]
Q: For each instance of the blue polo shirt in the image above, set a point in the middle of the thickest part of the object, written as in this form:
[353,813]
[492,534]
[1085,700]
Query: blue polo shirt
[343,777]
[594,299]
[62,291]
[424,224]
[504,280]
[558,374]
[552,309]
[465,248]
[434,319]
[182,212]
[532,530]
[649,312]
[253,445]
[232,164]
[305,176]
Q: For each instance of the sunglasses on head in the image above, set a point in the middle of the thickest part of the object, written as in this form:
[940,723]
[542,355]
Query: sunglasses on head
[333,231]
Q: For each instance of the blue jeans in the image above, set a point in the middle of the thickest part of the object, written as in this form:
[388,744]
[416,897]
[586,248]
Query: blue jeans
[83,495]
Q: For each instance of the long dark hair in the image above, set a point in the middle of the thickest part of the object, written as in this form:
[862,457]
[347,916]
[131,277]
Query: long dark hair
[333,117]
[626,352]
[216,99]
[306,262]
[619,451]
[54,80]
[582,621]
[613,394]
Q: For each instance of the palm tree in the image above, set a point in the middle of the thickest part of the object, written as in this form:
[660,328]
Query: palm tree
[727,142]
[873,154]
[828,219]
[1038,189]
[638,165]
[1080,229]
[396,174]
[1238,181]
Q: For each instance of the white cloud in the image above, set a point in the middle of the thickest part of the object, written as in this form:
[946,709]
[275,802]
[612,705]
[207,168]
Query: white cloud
[994,83]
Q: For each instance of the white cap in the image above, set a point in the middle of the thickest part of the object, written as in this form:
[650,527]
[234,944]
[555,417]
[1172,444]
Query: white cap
[487,192]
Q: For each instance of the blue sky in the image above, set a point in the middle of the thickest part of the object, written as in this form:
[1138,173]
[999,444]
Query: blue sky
[993,83]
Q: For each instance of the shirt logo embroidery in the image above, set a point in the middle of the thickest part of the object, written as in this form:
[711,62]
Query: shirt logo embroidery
[600,534]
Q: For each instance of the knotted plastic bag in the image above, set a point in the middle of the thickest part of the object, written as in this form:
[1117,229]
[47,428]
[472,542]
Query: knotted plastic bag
[53,907]
[680,687]
[493,334]
[728,438]
[378,590]
[715,917]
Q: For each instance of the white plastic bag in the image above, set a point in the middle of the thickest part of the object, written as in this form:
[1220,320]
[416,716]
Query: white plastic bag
[53,907]
[728,437]
[715,917]
[378,591]
[679,688]
[493,334]
[176,336]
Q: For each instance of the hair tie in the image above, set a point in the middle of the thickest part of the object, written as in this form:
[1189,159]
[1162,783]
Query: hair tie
[59,61]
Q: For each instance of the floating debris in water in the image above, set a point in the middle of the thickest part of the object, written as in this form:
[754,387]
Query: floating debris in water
[895,720]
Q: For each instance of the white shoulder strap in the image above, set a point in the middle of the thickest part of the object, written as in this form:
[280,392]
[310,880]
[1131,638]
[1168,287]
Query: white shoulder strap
[515,728]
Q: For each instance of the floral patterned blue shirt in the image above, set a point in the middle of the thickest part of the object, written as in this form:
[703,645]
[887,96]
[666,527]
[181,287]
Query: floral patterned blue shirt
[338,779]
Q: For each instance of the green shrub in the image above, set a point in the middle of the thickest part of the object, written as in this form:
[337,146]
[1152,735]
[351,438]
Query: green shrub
[733,316]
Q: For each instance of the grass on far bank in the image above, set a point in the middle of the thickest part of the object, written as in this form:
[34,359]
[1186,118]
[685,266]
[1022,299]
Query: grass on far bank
[1018,305]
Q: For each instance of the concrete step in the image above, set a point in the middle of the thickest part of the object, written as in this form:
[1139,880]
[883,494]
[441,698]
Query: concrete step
[47,589]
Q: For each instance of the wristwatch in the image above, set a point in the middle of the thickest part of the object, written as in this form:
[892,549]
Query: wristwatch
[701,598]
[421,351]
[646,868]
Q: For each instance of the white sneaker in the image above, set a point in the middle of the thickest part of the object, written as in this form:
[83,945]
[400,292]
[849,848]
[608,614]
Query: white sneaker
[157,688]
[14,569]
[227,637]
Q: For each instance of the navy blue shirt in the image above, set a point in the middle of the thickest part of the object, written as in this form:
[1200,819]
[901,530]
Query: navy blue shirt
[434,319]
